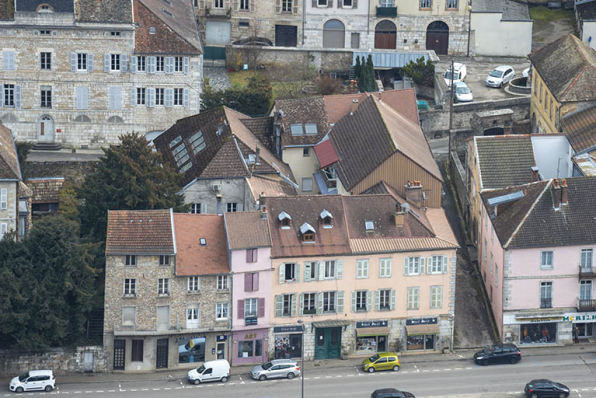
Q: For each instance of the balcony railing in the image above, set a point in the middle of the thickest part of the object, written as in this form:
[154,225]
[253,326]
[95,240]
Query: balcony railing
[387,12]
[587,272]
[546,303]
[586,305]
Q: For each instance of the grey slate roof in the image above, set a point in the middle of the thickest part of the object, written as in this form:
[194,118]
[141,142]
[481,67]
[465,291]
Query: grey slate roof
[580,128]
[112,11]
[586,11]
[513,10]
[533,222]
[57,5]
[504,160]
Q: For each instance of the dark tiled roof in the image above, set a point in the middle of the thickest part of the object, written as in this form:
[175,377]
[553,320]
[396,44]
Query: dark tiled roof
[196,259]
[247,229]
[45,190]
[580,128]
[586,11]
[533,221]
[226,162]
[57,5]
[6,10]
[143,232]
[504,160]
[573,79]
[9,162]
[112,11]
[301,111]
[175,33]
[512,10]
[262,128]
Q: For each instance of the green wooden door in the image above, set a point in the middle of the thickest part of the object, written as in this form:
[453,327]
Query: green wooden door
[327,343]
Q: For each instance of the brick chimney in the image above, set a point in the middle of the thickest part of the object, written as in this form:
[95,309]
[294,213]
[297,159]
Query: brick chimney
[534,174]
[564,195]
[354,106]
[399,215]
[414,192]
[556,194]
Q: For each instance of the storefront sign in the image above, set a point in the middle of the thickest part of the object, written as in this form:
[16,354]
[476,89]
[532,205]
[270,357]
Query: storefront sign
[250,336]
[250,321]
[591,317]
[222,338]
[543,319]
[287,329]
[371,324]
[421,321]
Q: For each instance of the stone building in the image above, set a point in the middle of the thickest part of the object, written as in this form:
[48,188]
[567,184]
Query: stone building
[79,73]
[167,294]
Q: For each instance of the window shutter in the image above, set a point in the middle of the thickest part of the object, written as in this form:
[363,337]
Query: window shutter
[248,282]
[422,265]
[249,255]
[353,301]
[106,63]
[321,270]
[445,260]
[388,267]
[115,94]
[255,282]
[90,63]
[282,273]
[307,268]
[1,95]
[82,98]
[354,4]
[151,62]
[368,301]
[8,60]
[134,64]
[319,303]
[429,261]
[240,309]
[339,266]
[186,65]
[297,272]
[185,96]
[314,3]
[301,304]
[123,63]
[277,6]
[330,3]
[261,312]
[377,300]
[133,96]
[294,307]
[235,5]
[295,6]
[151,97]
[406,266]
[169,65]
[392,303]
[17,96]
[73,62]
[279,303]
[169,100]
[340,302]
[340,3]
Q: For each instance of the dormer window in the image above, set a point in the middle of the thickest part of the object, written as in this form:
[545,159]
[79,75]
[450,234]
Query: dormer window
[327,219]
[45,8]
[203,241]
[307,233]
[285,220]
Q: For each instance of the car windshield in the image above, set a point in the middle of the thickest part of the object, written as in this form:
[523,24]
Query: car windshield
[559,385]
[267,365]
[24,377]
[374,358]
[201,369]
[462,90]
[496,73]
[488,350]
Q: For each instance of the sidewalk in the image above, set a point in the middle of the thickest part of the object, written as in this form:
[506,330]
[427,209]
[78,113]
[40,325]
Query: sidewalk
[311,366]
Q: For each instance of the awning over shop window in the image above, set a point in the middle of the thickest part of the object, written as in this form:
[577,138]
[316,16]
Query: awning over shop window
[366,332]
[330,324]
[417,330]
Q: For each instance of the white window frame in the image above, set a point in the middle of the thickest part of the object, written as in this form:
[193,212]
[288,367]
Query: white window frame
[222,311]
[160,64]
[435,266]
[130,287]
[231,207]
[544,255]
[115,62]
[244,5]
[361,297]
[413,299]
[385,268]
[323,3]
[414,265]
[330,265]
[312,299]
[196,208]
[251,307]
[193,314]
[223,282]
[331,298]
[163,286]
[45,60]
[82,60]
[344,5]
[160,97]
[3,198]
[141,63]
[384,300]
[130,260]
[362,269]
[193,284]
[584,263]
[436,297]
[141,96]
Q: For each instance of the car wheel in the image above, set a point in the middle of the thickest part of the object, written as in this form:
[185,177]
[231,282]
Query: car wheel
[371,370]
[262,377]
[534,396]
[513,361]
[291,375]
[501,85]
[48,388]
[20,390]
[562,395]
[484,362]
[196,382]
[224,379]
[395,368]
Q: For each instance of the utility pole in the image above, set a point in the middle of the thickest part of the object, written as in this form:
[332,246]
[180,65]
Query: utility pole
[452,94]
[469,26]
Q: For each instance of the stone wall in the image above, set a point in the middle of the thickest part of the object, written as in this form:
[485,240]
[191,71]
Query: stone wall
[233,190]
[459,178]
[60,360]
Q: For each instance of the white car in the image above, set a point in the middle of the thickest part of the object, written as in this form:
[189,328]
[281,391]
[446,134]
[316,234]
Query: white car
[462,92]
[218,370]
[500,76]
[275,369]
[458,76]
[34,380]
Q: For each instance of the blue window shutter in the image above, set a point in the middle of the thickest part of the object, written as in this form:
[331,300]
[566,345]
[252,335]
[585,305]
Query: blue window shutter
[151,64]
[123,64]
[186,65]
[1,95]
[73,62]
[186,94]
[17,96]
[8,60]
[82,100]
[169,65]
[134,64]
[151,97]
[169,100]
[106,63]
[133,96]
[90,63]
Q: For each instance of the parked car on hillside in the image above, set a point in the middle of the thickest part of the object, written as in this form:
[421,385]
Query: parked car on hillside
[499,353]
[544,388]
[34,380]
[500,76]
[276,369]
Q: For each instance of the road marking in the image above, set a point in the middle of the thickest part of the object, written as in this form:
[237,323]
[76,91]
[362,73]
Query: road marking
[436,370]
[145,389]
[232,384]
[426,370]
[469,368]
[99,391]
[317,377]
[88,392]
[339,376]
[328,377]
[134,390]
[405,371]
[584,389]
[446,369]
[178,388]
[167,388]
[156,389]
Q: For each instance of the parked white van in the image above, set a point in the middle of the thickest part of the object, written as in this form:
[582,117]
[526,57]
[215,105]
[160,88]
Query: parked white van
[459,75]
[40,380]
[210,371]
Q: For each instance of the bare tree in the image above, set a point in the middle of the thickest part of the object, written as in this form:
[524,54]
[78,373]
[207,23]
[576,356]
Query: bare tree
[254,43]
[292,79]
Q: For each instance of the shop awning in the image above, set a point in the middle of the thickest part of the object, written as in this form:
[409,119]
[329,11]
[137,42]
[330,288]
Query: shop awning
[330,324]
[417,330]
[365,332]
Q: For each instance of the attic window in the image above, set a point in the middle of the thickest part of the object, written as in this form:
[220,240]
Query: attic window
[167,12]
[175,141]
[197,142]
[184,168]
[115,33]
[327,219]
[370,226]
[311,128]
[308,232]
[45,8]
[296,129]
[203,242]
[284,219]
[152,30]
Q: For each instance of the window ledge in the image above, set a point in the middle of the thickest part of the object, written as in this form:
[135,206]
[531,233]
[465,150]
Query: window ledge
[164,295]
[129,296]
[222,291]
[193,292]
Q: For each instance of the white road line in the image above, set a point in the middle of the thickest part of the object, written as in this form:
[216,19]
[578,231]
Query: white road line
[156,389]
[328,377]
[135,390]
[436,370]
[232,384]
[99,391]
[317,377]
[167,388]
[469,368]
[426,370]
[584,389]
[88,392]
[347,376]
[145,389]
[405,371]
[339,376]
[121,390]
[178,388]
[446,369]
[115,390]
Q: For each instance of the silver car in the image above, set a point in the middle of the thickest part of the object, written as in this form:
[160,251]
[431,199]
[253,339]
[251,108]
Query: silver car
[276,369]
[500,76]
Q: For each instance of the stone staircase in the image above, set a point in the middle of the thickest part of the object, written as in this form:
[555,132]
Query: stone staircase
[46,146]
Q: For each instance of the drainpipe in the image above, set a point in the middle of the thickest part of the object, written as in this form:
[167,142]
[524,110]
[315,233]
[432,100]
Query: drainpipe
[469,26]
[303,19]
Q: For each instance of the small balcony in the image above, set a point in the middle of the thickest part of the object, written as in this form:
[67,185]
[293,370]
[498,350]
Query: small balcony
[546,303]
[221,13]
[586,305]
[386,12]
[587,272]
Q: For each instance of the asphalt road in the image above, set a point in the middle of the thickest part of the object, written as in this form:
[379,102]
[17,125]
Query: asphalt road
[460,378]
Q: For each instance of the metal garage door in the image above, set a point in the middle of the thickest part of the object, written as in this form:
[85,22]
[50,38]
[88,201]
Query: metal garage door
[218,33]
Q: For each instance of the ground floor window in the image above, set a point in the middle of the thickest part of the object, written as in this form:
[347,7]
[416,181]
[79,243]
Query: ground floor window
[538,333]
[421,342]
[288,346]
[586,330]
[250,348]
[371,344]
[191,349]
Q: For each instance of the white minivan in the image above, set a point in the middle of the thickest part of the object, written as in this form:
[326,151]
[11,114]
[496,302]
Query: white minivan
[460,74]
[210,371]
[40,380]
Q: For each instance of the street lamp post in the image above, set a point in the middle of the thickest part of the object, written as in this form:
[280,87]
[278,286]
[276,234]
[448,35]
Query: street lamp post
[302,367]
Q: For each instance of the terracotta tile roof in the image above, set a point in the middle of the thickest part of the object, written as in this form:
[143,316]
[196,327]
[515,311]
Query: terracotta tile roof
[326,153]
[572,80]
[504,160]
[580,128]
[399,245]
[247,229]
[175,33]
[9,162]
[111,11]
[226,162]
[269,186]
[45,190]
[24,191]
[301,111]
[142,232]
[193,258]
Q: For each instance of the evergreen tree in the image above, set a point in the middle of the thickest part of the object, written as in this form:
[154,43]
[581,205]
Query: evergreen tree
[357,68]
[370,75]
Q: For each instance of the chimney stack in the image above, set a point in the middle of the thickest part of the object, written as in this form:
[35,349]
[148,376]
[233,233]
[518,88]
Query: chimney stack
[258,155]
[556,194]
[354,106]
[264,212]
[564,195]
[534,174]
[414,192]
[400,216]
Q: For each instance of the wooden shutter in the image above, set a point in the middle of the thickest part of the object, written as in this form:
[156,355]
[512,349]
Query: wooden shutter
[339,300]
[248,282]
[307,268]
[279,304]
[330,3]
[151,62]
[297,272]
[17,96]
[282,273]
[445,262]
[261,312]
[321,270]
[106,63]
[134,64]
[314,3]
[185,102]
[90,63]
[295,6]
[301,304]
[353,301]
[377,300]
[255,282]
[392,302]
[123,63]
[169,97]
[278,6]
[340,3]
[133,96]
[339,269]
[73,62]
[406,266]
[240,309]
[319,303]
[354,4]
[249,255]
[186,65]
[294,305]
[151,97]
[422,260]
[1,95]
[368,300]
[255,255]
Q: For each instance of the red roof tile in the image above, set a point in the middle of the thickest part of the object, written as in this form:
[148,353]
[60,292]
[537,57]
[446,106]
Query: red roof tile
[325,153]
[142,232]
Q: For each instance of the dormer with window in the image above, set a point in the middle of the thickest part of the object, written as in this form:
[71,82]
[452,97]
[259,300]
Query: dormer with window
[307,233]
[45,8]
[284,220]
[326,219]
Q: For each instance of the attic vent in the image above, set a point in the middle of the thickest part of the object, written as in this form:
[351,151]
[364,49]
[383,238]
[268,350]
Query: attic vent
[203,241]
[370,226]
[152,30]
[167,12]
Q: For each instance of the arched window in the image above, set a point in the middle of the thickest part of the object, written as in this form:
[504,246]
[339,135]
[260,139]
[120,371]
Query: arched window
[385,35]
[45,8]
[334,34]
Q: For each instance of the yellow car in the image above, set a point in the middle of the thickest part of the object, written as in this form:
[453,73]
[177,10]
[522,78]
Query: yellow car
[381,361]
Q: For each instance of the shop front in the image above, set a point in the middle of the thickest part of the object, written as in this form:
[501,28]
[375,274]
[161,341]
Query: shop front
[422,334]
[250,346]
[585,323]
[200,348]
[288,341]
[371,337]
[328,338]
[538,333]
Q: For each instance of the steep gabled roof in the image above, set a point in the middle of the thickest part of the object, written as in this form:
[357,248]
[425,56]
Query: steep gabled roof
[104,11]
[568,68]
[45,189]
[246,230]
[269,186]
[140,232]
[301,111]
[9,162]
[580,129]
